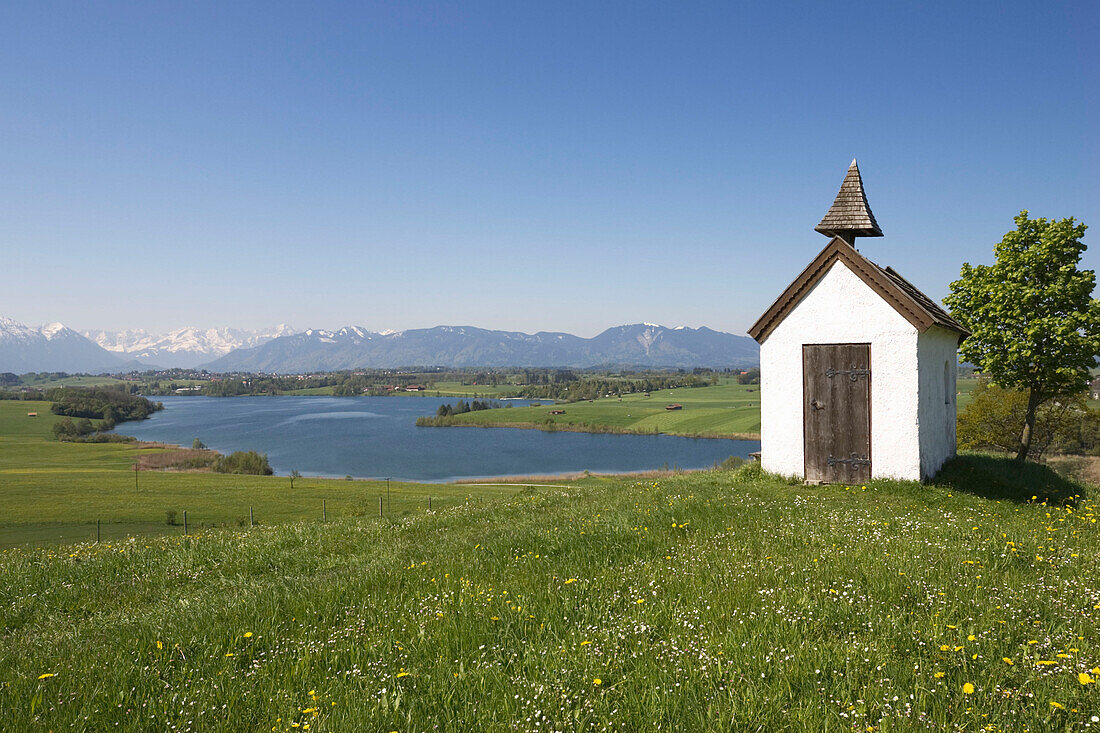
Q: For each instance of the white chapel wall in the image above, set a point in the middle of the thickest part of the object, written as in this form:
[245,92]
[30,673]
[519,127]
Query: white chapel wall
[937,351]
[841,308]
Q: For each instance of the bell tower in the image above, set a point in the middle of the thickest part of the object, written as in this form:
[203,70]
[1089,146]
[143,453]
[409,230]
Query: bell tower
[850,216]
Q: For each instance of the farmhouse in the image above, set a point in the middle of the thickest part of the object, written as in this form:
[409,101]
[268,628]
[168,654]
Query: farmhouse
[857,366]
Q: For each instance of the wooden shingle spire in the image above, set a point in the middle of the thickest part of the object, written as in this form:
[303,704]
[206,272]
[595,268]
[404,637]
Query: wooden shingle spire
[850,216]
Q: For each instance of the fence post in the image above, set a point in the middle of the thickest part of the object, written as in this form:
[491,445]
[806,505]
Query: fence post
[184,522]
[251,521]
[429,503]
[97,531]
[324,511]
[380,506]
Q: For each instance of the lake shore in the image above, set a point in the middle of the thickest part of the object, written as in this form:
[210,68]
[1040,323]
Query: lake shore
[564,427]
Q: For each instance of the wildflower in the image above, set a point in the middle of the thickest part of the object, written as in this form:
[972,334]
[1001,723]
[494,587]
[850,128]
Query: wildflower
[1056,705]
[968,689]
[944,648]
[938,675]
[571,580]
[248,634]
[1007,661]
[160,644]
[402,674]
[229,654]
[1085,679]
[585,642]
[971,638]
[640,600]
[47,675]
[597,682]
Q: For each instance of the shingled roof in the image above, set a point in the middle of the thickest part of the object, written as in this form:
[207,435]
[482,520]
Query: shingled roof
[850,216]
[912,304]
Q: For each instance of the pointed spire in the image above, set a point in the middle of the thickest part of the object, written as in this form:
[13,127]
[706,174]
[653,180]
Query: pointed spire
[850,216]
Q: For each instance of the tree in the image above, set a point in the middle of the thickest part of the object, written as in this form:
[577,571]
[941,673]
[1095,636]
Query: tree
[197,444]
[995,414]
[293,476]
[1035,324]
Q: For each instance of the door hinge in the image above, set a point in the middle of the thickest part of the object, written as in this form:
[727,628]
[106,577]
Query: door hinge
[855,462]
[852,374]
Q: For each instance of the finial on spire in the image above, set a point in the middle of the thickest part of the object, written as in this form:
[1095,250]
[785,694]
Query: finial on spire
[850,216]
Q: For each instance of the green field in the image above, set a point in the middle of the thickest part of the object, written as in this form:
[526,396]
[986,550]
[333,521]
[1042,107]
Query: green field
[725,410]
[56,491]
[709,601]
[41,382]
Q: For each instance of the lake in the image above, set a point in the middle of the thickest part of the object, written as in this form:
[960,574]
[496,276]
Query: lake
[375,437]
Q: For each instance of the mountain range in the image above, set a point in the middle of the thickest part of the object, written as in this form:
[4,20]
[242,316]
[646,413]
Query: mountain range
[640,345]
[185,348]
[52,348]
[58,348]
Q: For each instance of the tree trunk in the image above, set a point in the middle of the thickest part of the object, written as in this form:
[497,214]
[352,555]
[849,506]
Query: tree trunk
[1029,424]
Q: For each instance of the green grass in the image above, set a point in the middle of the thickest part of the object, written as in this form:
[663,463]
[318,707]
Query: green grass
[709,601]
[480,391]
[74,381]
[309,391]
[56,491]
[725,410]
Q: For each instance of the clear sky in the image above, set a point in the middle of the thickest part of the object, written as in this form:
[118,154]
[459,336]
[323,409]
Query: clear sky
[517,165]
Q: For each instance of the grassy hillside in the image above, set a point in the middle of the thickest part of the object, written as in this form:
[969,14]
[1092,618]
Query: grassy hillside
[56,491]
[703,602]
[726,410]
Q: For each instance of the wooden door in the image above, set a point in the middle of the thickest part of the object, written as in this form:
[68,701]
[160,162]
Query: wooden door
[836,422]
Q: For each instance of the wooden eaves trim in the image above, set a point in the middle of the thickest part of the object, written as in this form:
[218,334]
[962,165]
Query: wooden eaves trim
[876,278]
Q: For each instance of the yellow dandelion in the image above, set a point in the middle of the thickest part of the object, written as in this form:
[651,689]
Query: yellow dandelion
[47,675]
[971,637]
[1007,661]
[585,642]
[1085,679]
[939,675]
[968,689]
[571,580]
[230,654]
[160,644]
[402,674]
[1057,705]
[640,600]
[944,648]
[597,682]
[248,634]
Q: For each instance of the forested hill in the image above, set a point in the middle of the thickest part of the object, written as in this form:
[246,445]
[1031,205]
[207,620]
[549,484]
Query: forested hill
[640,345]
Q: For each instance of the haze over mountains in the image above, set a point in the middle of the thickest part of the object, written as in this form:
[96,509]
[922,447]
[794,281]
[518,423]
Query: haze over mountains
[641,345]
[57,348]
[184,347]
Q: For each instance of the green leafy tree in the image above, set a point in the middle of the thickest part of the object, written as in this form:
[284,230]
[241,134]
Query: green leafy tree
[1035,324]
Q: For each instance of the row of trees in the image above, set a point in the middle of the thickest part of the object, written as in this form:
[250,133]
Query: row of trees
[110,404]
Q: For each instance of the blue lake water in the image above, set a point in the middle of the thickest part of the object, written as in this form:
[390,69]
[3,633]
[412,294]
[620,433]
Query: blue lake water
[374,437]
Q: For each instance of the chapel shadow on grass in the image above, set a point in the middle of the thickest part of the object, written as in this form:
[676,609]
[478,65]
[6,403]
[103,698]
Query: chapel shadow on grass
[1004,478]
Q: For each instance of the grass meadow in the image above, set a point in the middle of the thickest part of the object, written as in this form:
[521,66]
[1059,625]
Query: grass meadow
[725,410]
[707,601]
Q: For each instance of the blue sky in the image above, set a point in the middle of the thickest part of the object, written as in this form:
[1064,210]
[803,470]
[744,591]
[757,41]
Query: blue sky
[524,166]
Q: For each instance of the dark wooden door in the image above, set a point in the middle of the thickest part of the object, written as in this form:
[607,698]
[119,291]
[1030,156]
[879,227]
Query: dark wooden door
[836,389]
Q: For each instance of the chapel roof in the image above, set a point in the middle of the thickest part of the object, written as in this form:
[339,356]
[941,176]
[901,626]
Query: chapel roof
[903,296]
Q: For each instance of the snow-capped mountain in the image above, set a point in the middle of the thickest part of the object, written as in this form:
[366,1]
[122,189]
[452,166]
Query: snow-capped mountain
[644,345]
[51,348]
[184,347]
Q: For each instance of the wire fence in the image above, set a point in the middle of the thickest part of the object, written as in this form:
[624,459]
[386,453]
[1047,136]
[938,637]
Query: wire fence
[143,522]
